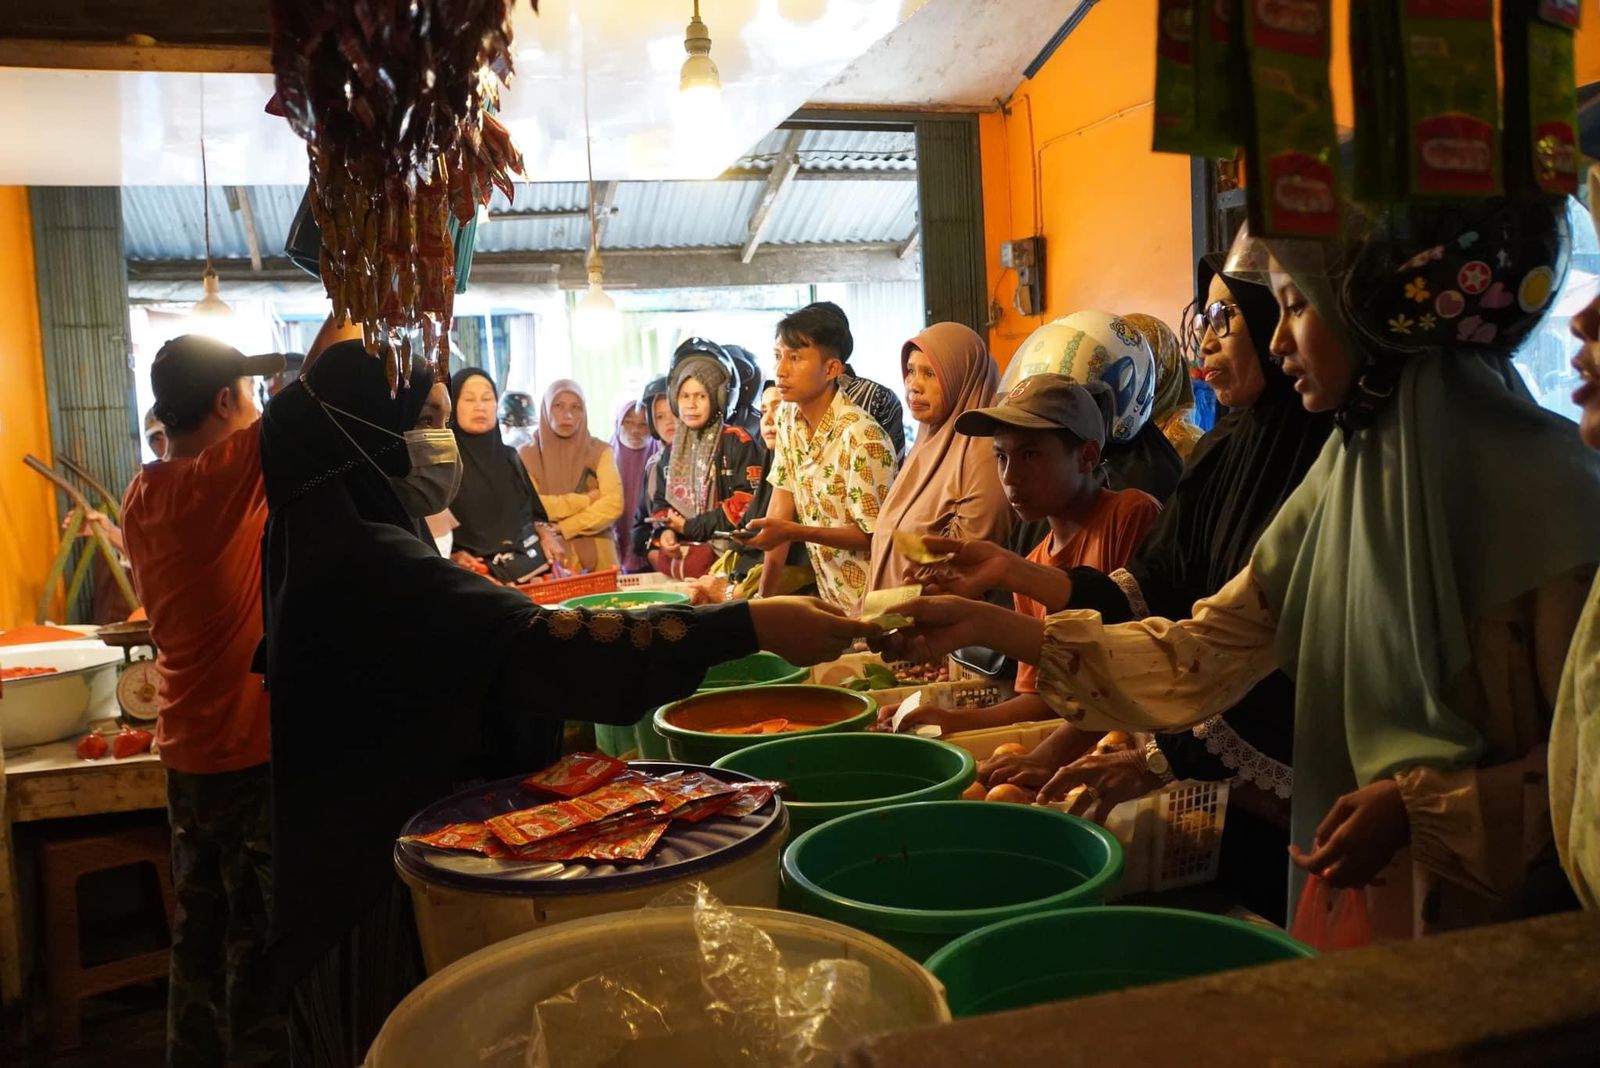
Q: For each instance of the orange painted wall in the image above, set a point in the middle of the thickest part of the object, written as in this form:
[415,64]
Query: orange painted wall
[1070,158]
[28,520]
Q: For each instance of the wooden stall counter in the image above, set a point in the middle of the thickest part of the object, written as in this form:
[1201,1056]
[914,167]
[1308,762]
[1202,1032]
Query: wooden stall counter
[50,782]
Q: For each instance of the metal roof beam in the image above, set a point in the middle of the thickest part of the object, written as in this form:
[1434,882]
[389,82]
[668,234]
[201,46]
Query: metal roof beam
[783,171]
[910,246]
[605,199]
[805,174]
[878,261]
[239,202]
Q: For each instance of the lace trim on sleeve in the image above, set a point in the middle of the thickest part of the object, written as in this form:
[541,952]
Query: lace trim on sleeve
[1250,763]
[1130,589]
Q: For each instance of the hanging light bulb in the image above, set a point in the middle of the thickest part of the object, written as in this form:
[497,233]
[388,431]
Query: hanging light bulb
[699,104]
[595,320]
[699,75]
[210,306]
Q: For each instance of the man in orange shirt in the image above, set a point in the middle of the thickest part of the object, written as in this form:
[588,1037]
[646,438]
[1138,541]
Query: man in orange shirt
[193,527]
[1048,435]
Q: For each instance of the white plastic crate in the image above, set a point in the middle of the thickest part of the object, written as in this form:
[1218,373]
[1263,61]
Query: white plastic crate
[1170,839]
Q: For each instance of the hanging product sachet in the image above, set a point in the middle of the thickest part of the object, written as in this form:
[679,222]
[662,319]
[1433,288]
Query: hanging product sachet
[1291,152]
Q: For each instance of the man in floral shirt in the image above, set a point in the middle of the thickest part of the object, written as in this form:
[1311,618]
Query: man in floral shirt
[831,469]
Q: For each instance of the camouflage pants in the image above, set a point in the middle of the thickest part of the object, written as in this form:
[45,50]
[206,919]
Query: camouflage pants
[220,1009]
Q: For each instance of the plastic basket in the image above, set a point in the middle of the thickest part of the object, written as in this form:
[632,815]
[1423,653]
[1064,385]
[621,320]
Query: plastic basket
[1171,838]
[647,580]
[852,665]
[970,693]
[554,591]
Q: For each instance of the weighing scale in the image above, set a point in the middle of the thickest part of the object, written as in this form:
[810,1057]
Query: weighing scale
[138,683]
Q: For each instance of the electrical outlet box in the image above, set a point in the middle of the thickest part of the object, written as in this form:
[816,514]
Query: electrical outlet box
[1026,256]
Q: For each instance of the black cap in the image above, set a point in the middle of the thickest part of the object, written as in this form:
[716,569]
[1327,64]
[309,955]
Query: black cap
[1045,402]
[189,370]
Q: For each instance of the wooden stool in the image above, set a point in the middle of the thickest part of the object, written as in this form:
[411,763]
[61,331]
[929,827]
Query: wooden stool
[62,862]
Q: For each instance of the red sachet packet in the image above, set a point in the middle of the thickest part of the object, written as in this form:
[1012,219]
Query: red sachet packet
[695,811]
[469,837]
[629,843]
[575,775]
[529,825]
[683,788]
[571,845]
[752,795]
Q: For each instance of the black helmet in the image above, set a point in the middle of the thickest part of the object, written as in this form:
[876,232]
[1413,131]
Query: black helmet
[516,409]
[744,361]
[727,397]
[654,389]
[1477,275]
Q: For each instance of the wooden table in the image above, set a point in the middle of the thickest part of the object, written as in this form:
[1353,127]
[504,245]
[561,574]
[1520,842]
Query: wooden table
[50,782]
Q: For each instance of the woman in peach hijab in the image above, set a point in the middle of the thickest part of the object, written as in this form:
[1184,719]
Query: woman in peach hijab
[950,482]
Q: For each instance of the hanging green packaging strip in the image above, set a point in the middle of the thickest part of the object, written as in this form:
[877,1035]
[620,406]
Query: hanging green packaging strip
[1222,91]
[1452,121]
[1542,97]
[1380,171]
[1175,78]
[1291,154]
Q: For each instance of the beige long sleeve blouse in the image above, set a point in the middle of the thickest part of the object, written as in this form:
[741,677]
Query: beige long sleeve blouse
[1473,830]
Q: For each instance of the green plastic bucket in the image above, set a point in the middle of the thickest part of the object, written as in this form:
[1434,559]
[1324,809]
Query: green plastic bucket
[919,876]
[834,709]
[1054,956]
[626,599]
[757,669]
[833,775]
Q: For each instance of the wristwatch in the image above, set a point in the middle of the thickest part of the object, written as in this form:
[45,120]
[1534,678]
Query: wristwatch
[1156,762]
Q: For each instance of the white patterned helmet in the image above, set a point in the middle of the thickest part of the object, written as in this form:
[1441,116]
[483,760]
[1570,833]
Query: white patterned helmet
[1091,346]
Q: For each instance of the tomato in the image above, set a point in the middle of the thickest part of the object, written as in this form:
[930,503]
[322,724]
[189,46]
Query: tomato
[130,741]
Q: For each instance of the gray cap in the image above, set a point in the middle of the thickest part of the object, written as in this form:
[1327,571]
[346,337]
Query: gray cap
[1046,402]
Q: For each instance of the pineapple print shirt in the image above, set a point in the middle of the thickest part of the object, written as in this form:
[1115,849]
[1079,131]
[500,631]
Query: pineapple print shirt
[839,473]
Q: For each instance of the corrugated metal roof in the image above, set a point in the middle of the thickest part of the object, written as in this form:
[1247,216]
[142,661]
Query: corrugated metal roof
[839,150]
[161,222]
[842,212]
[164,222]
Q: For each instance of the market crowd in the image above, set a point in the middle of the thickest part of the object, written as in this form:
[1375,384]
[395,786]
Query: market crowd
[1332,598]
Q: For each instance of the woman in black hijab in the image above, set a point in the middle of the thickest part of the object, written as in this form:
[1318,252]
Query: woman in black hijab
[395,675]
[496,507]
[1238,477]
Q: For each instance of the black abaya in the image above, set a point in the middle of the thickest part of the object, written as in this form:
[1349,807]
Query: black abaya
[394,674]
[1238,477]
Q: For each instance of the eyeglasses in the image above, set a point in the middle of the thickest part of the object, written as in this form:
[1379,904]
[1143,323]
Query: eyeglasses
[1218,316]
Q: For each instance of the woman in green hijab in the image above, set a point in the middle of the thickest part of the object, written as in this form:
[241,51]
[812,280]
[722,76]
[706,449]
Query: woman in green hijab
[1422,584]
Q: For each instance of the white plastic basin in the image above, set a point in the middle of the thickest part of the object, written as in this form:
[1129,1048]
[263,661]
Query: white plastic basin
[48,708]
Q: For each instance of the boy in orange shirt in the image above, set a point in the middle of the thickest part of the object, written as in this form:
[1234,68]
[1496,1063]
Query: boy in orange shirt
[193,527]
[1048,435]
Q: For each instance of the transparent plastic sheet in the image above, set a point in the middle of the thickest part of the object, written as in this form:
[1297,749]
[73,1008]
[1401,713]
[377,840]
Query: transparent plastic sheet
[730,1002]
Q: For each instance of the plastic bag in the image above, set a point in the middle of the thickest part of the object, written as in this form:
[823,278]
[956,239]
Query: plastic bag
[1327,919]
[731,1001]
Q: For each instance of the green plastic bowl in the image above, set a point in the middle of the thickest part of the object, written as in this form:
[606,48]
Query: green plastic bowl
[833,775]
[1055,956]
[751,704]
[757,669]
[626,599]
[919,876]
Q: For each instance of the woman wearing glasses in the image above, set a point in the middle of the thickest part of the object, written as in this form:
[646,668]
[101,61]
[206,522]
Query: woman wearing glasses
[1237,477]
